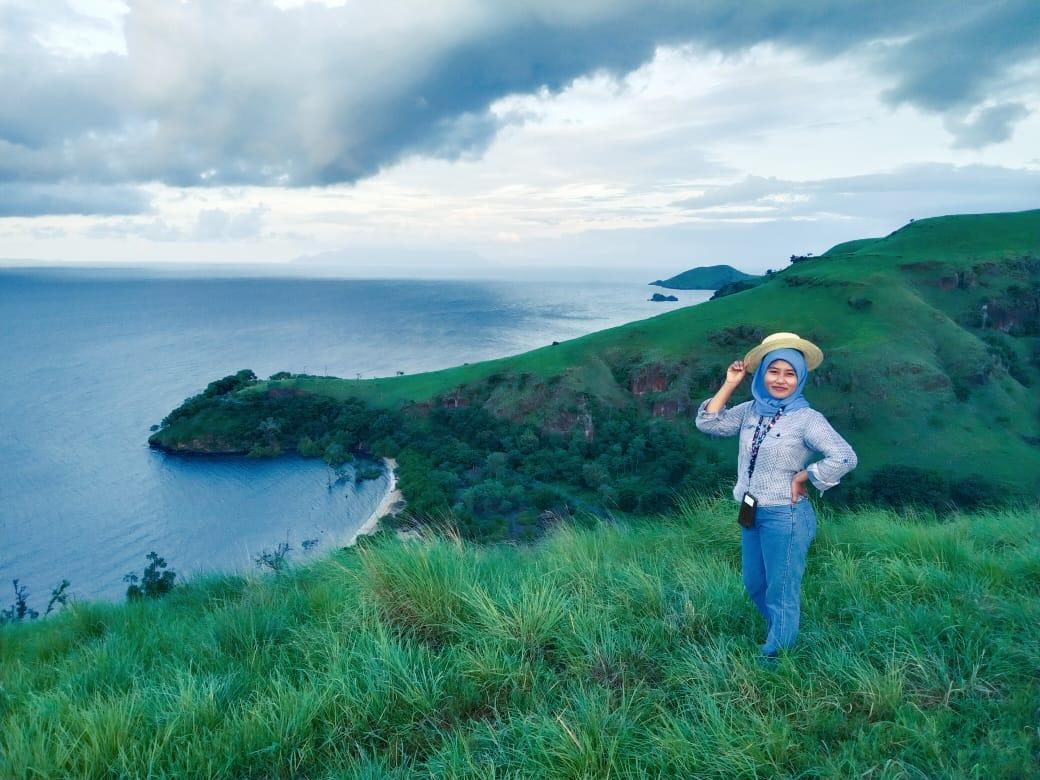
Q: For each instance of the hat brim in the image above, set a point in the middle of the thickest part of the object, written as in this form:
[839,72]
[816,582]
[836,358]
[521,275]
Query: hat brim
[813,354]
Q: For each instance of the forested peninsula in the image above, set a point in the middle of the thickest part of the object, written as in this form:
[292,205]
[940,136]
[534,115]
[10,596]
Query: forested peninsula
[932,343]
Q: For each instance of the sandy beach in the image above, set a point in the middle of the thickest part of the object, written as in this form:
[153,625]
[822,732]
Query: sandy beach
[392,498]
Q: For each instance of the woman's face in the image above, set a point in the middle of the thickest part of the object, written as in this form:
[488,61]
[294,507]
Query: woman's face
[781,379]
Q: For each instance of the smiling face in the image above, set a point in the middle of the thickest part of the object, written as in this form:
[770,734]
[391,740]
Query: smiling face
[781,379]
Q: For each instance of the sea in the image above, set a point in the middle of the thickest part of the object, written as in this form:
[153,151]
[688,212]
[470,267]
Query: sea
[93,358]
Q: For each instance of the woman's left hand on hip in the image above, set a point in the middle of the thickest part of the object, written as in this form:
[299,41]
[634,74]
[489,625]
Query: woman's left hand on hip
[799,485]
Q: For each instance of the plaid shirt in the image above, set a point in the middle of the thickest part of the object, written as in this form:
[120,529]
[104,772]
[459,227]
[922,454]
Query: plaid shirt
[786,450]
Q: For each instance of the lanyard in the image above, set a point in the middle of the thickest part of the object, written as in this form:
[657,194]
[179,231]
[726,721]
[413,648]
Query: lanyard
[759,437]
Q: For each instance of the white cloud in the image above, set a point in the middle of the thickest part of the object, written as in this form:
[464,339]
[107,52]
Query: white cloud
[784,152]
[220,225]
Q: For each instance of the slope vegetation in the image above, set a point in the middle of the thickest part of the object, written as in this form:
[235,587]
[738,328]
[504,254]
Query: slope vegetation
[931,336]
[605,651]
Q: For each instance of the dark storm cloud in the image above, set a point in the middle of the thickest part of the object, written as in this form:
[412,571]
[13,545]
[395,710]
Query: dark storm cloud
[955,62]
[213,93]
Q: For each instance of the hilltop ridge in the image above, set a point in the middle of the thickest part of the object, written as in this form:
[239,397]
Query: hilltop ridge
[932,343]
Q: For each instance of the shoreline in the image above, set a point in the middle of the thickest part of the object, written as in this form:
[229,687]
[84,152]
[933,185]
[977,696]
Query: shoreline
[393,497]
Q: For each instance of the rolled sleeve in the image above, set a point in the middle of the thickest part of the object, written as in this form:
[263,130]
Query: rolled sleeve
[814,477]
[838,456]
[725,422]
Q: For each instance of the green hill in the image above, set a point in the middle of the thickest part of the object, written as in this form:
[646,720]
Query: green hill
[607,651]
[932,344]
[615,647]
[709,277]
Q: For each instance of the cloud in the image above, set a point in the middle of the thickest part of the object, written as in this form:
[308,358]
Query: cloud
[213,92]
[155,229]
[990,125]
[30,200]
[210,225]
[894,195]
[758,223]
[956,61]
[749,190]
[220,225]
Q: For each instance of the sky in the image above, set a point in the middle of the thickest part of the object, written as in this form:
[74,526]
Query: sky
[615,138]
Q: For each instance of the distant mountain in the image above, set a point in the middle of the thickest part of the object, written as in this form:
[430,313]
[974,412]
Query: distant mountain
[709,277]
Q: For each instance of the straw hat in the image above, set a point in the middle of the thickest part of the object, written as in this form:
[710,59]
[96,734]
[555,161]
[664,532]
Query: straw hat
[812,353]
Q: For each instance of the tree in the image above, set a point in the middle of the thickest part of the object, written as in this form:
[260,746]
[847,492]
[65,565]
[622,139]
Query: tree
[230,383]
[154,583]
[270,429]
[497,462]
[20,609]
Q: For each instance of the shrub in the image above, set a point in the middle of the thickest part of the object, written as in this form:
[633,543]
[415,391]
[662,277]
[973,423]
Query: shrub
[737,336]
[367,472]
[386,447]
[997,345]
[154,583]
[275,560]
[308,448]
[20,609]
[544,497]
[264,451]
[899,486]
[734,287]
[975,491]
[336,454]
[860,304]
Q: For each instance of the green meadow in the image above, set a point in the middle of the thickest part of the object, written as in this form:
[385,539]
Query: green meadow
[607,647]
[604,650]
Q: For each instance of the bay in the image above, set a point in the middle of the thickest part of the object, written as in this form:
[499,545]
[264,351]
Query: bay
[92,359]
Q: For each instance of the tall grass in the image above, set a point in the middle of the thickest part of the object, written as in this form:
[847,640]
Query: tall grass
[612,651]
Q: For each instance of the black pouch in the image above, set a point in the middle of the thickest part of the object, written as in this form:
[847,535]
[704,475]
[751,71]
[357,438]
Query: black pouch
[746,516]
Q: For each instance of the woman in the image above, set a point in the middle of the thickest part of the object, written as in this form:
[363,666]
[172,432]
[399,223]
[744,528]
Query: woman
[779,432]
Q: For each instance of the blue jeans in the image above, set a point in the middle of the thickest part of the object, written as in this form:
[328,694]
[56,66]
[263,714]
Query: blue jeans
[773,556]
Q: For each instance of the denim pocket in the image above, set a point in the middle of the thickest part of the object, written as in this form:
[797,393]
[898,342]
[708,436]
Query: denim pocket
[804,514]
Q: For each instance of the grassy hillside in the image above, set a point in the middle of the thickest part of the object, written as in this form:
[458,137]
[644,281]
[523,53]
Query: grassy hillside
[931,337]
[710,277]
[603,651]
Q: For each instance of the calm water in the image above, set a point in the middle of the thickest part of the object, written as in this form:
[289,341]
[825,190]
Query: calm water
[91,360]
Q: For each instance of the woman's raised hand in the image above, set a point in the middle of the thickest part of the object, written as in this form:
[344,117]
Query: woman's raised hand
[735,373]
[734,376]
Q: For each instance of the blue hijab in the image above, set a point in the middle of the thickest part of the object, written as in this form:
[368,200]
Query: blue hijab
[765,404]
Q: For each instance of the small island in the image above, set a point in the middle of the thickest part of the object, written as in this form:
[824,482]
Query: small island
[709,277]
[658,297]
